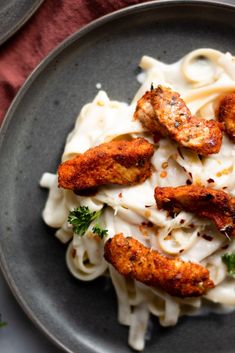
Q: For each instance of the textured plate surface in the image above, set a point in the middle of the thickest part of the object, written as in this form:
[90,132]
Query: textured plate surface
[78,316]
[13,14]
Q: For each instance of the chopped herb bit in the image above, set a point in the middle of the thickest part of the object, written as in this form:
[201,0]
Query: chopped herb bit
[81,218]
[100,231]
[229,260]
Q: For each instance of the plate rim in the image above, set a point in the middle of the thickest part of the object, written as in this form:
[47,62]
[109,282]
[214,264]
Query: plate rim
[23,90]
[11,31]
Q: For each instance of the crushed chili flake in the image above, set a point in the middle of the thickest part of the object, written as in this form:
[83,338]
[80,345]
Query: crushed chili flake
[224,187]
[225,247]
[207,237]
[147,224]
[164,165]
[180,153]
[148,206]
[73,253]
[188,182]
[143,230]
[198,234]
[181,250]
[168,237]
[210,180]
[182,221]
[190,174]
[191,225]
[163,174]
[120,194]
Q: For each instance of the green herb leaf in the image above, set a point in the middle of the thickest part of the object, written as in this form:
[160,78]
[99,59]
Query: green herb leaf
[100,231]
[81,218]
[229,260]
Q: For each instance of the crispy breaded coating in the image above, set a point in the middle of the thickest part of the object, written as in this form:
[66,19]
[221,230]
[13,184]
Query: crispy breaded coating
[162,111]
[225,112]
[175,276]
[215,205]
[115,162]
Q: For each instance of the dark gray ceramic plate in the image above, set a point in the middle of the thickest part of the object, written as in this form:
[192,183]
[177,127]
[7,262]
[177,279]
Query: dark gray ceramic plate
[77,316]
[13,14]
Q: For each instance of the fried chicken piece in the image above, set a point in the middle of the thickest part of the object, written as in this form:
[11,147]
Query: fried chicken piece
[175,276]
[115,162]
[162,111]
[215,205]
[225,112]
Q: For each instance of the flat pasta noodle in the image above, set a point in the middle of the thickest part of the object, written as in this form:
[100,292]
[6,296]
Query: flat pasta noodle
[200,77]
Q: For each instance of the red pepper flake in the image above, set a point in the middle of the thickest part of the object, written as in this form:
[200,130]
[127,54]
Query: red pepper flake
[168,237]
[148,206]
[207,237]
[120,194]
[163,174]
[180,153]
[188,182]
[181,250]
[143,230]
[225,247]
[73,253]
[210,180]
[225,187]
[182,221]
[190,174]
[164,165]
[191,225]
[198,234]
[148,224]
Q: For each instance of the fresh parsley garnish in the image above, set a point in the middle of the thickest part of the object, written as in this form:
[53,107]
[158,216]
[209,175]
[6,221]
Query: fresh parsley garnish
[229,260]
[99,231]
[80,218]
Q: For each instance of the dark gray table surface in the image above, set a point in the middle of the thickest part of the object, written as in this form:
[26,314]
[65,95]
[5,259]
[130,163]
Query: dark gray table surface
[20,335]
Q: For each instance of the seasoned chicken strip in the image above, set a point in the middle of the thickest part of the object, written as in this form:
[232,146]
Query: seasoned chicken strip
[115,162]
[225,112]
[215,205]
[132,259]
[162,111]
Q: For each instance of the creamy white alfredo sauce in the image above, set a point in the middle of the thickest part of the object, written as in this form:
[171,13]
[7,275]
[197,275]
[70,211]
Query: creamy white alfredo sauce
[200,77]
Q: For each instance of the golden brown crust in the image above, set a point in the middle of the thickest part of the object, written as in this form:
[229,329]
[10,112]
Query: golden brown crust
[176,277]
[215,205]
[116,162]
[225,112]
[161,110]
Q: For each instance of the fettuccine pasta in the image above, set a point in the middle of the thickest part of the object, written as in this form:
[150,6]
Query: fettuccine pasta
[200,77]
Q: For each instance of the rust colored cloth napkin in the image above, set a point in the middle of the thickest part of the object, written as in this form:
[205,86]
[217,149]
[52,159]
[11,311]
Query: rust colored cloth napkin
[51,24]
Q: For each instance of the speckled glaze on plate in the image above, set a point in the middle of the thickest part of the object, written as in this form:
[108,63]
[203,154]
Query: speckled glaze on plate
[82,317]
[13,14]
